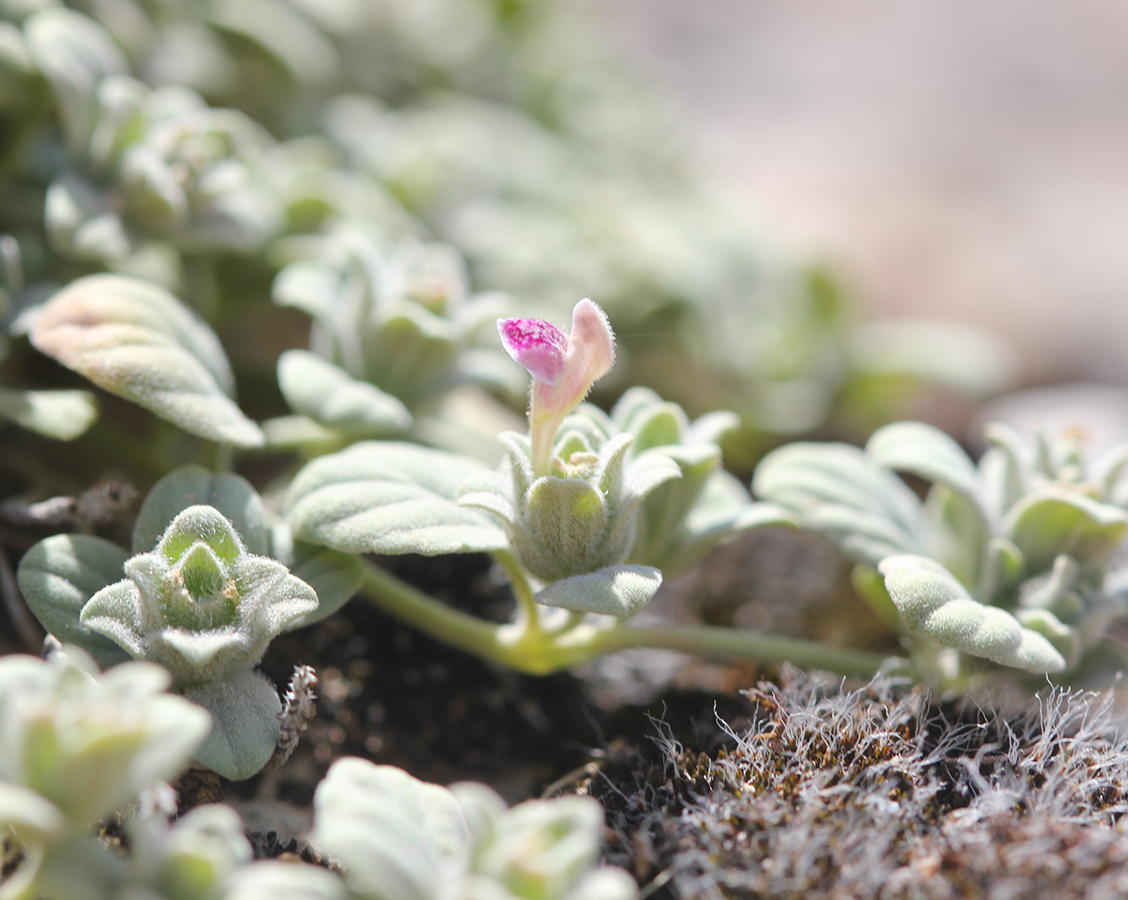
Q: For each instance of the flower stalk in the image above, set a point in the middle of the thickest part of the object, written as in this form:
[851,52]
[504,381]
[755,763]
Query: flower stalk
[525,645]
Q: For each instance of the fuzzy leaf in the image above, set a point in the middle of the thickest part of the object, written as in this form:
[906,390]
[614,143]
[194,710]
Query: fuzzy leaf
[840,493]
[1056,521]
[136,340]
[334,576]
[277,880]
[333,398]
[75,53]
[618,591]
[391,498]
[929,453]
[62,415]
[188,486]
[59,575]
[937,606]
[398,838]
[245,727]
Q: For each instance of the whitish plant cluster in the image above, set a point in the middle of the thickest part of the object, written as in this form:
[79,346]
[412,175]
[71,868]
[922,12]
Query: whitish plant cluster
[333,205]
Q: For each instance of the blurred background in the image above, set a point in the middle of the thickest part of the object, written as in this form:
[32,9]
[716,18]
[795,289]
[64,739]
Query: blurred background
[957,158]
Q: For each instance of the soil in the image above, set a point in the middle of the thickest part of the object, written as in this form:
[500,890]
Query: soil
[718,781]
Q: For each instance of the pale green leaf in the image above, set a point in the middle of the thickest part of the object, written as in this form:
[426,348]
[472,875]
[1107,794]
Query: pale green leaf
[63,415]
[328,395]
[188,486]
[929,453]
[75,53]
[839,492]
[59,575]
[935,604]
[136,340]
[1053,521]
[245,729]
[335,576]
[618,591]
[391,498]
[398,838]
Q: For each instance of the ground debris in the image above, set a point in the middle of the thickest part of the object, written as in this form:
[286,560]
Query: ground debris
[881,792]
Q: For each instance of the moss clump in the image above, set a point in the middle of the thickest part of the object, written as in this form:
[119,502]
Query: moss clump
[880,792]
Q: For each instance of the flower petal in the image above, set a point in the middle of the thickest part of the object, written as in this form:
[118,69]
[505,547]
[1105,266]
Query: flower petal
[537,345]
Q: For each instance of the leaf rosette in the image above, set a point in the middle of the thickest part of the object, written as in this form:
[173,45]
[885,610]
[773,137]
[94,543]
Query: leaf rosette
[1011,559]
[199,604]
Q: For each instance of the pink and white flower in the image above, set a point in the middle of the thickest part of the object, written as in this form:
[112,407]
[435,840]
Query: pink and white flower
[563,366]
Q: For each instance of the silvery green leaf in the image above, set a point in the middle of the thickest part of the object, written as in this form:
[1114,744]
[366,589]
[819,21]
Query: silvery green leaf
[227,492]
[74,53]
[618,591]
[929,453]
[959,533]
[83,223]
[276,880]
[136,340]
[91,743]
[333,398]
[284,33]
[1066,640]
[491,491]
[398,838]
[309,286]
[245,727]
[712,427]
[335,576]
[710,527]
[32,815]
[389,497]
[300,432]
[59,575]
[62,415]
[840,493]
[1003,471]
[934,604]
[1053,521]
[150,187]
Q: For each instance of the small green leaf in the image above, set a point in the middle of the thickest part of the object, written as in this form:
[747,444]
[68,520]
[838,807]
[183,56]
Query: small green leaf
[136,340]
[245,727]
[62,415]
[391,498]
[842,494]
[335,576]
[188,486]
[59,575]
[333,398]
[929,453]
[937,606]
[1053,521]
[398,838]
[75,54]
[82,222]
[1003,471]
[618,591]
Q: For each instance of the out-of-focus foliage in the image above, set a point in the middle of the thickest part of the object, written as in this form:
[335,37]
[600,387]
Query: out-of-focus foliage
[392,164]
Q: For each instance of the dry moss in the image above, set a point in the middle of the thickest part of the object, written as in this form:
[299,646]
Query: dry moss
[879,792]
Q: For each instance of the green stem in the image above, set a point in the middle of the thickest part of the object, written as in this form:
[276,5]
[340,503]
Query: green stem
[524,645]
[430,615]
[527,611]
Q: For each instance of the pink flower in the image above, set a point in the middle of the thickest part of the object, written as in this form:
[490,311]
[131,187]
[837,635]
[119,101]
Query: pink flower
[563,366]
